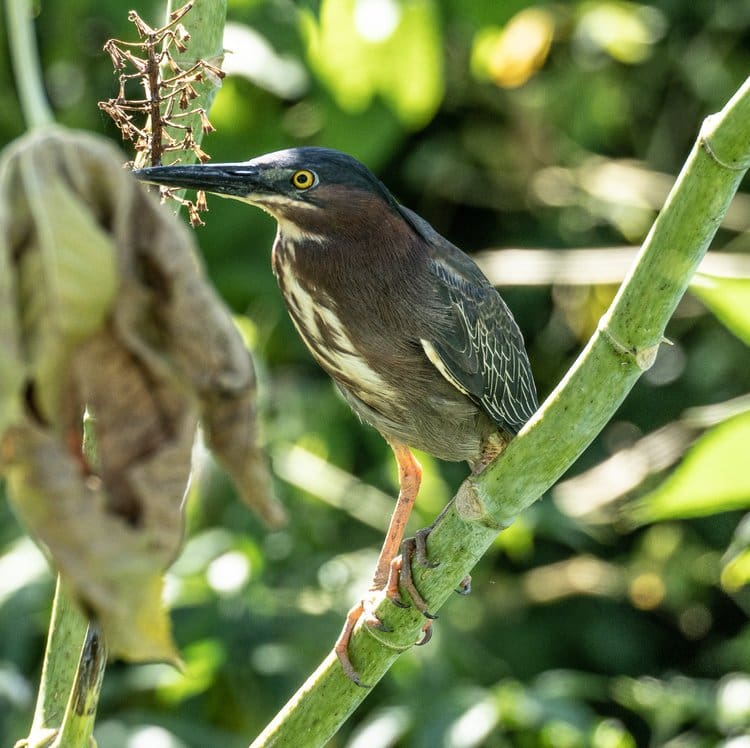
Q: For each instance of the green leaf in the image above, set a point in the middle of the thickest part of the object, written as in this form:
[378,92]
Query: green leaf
[736,573]
[728,299]
[712,478]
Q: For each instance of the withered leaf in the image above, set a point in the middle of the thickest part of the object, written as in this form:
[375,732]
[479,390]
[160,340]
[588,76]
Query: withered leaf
[104,308]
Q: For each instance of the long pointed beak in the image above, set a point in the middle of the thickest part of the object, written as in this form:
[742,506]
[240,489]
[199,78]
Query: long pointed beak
[233,180]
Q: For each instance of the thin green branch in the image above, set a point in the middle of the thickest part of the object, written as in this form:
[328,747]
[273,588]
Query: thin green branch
[624,346]
[66,630]
[26,68]
[77,726]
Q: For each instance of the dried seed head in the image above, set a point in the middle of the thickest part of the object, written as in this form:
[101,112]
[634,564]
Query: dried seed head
[141,26]
[181,37]
[162,96]
[187,141]
[176,15]
[213,74]
[171,64]
[118,58]
[184,99]
[127,130]
[194,215]
[206,126]
[201,155]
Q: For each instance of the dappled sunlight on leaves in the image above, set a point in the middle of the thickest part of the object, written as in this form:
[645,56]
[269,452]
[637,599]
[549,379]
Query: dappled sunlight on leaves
[713,477]
[511,55]
[728,299]
[361,48]
[624,30]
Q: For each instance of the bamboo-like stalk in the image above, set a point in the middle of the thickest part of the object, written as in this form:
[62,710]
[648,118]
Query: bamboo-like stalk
[624,346]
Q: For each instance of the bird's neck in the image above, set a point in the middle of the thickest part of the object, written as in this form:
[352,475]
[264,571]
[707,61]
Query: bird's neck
[357,250]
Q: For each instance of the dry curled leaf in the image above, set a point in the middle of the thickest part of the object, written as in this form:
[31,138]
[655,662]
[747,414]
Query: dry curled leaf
[104,308]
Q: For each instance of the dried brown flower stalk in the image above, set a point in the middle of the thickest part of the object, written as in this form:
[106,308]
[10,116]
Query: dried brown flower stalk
[168,91]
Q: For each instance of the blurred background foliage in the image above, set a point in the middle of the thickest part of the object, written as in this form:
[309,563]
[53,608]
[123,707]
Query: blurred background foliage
[613,613]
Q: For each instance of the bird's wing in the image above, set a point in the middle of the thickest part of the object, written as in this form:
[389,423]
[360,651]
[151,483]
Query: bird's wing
[479,349]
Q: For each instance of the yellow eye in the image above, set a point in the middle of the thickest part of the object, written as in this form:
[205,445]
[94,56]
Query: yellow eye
[303,179]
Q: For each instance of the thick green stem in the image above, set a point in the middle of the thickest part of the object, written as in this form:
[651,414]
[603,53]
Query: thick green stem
[623,347]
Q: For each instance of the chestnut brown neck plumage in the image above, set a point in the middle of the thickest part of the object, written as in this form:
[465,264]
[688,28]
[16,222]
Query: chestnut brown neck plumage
[374,249]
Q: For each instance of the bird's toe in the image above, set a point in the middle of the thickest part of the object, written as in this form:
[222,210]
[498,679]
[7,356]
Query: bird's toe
[370,617]
[401,577]
[341,648]
[420,548]
[426,634]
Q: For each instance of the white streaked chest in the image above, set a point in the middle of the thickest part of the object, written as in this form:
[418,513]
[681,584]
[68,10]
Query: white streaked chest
[314,316]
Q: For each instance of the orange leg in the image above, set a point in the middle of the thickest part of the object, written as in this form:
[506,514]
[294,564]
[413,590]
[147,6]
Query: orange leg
[409,478]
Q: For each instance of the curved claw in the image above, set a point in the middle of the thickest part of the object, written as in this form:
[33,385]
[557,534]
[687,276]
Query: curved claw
[376,623]
[354,678]
[420,548]
[464,586]
[426,634]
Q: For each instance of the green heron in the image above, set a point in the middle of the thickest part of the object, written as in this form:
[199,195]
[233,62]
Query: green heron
[419,343]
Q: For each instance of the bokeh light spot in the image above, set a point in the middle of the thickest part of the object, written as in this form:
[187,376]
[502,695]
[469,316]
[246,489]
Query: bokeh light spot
[228,573]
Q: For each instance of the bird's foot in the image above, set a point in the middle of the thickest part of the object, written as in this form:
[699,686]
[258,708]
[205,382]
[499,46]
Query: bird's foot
[420,555]
[401,577]
[364,610]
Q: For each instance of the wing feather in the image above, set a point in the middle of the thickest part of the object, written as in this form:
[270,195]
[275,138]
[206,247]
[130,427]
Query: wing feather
[479,348]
